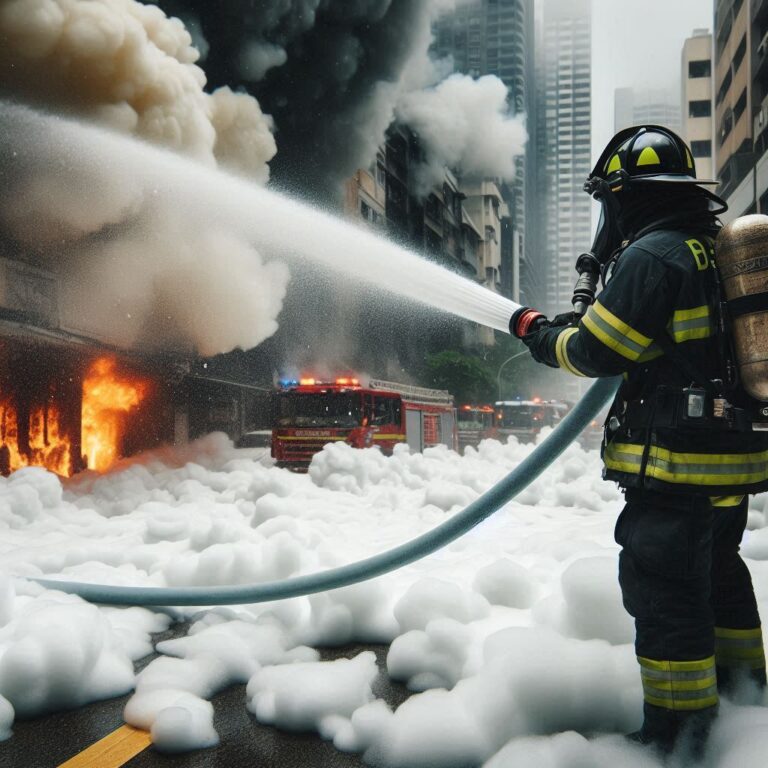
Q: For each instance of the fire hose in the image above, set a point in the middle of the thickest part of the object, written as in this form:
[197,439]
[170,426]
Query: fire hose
[483,507]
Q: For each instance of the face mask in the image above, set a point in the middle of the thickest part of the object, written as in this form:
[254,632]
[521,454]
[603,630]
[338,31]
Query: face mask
[608,235]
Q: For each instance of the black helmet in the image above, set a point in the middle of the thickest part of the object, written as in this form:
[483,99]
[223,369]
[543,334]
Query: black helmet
[635,159]
[645,153]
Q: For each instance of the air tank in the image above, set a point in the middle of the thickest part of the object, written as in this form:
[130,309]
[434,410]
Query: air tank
[742,260]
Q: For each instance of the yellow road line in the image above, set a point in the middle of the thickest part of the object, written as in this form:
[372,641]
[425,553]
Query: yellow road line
[113,750]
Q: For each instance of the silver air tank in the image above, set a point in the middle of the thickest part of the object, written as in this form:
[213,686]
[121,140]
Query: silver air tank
[742,259]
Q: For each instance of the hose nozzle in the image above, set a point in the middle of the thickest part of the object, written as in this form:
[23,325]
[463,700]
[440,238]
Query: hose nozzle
[588,268]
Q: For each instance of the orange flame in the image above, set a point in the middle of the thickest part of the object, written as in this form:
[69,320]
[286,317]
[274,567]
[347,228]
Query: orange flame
[108,396]
[47,446]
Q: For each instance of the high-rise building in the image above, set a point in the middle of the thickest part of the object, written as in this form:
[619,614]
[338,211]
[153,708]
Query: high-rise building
[646,106]
[696,80]
[565,91]
[733,96]
[741,104]
[496,37]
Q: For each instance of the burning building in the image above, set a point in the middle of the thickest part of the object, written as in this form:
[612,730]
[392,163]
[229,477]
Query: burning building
[69,402]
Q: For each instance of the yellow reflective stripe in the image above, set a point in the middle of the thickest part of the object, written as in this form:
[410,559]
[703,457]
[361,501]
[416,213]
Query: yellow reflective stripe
[725,501]
[388,437]
[731,652]
[676,666]
[692,333]
[702,469]
[680,685]
[739,634]
[676,704]
[614,333]
[621,326]
[689,324]
[561,352]
[680,315]
[313,438]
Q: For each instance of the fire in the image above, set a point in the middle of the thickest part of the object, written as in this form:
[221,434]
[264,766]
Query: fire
[108,396]
[46,446]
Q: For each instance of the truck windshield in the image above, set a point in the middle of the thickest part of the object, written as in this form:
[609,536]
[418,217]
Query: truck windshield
[474,420]
[317,410]
[520,416]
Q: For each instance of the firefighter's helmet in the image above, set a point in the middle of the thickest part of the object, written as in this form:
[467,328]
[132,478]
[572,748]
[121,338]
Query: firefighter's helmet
[645,154]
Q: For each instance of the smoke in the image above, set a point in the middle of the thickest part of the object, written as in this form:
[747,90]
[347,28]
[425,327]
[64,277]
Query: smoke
[128,66]
[335,75]
[134,268]
[463,124]
[138,264]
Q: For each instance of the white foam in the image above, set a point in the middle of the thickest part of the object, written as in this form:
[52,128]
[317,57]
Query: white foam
[513,634]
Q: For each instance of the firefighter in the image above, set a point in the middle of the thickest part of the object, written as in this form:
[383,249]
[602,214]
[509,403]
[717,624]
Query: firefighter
[684,473]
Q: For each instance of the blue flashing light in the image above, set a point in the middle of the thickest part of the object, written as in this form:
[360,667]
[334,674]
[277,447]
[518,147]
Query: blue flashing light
[288,383]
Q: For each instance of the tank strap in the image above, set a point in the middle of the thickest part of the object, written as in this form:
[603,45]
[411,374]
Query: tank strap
[745,305]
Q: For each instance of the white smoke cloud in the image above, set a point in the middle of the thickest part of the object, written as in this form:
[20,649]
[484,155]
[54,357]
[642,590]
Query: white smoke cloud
[256,59]
[134,269]
[126,65]
[464,124]
[140,263]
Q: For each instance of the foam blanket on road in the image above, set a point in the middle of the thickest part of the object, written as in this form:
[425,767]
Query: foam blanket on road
[513,639]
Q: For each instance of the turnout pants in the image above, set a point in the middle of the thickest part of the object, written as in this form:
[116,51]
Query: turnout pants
[690,593]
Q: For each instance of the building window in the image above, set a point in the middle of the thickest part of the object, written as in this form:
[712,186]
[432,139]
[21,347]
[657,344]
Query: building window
[740,106]
[724,86]
[701,68]
[701,148]
[702,108]
[738,57]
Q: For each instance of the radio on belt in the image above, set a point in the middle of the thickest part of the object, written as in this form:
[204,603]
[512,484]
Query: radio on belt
[695,401]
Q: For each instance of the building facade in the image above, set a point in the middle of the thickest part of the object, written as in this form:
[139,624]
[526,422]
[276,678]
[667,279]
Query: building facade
[646,106]
[733,94]
[496,37]
[741,104]
[565,150]
[698,129]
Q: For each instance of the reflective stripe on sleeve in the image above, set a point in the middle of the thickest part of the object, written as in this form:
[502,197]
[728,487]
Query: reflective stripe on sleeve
[615,333]
[679,685]
[741,648]
[561,352]
[688,468]
[688,324]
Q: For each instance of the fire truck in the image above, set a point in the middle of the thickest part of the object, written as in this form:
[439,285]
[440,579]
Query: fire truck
[309,413]
[526,418]
[473,424]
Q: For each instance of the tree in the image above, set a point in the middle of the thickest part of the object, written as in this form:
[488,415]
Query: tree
[467,378]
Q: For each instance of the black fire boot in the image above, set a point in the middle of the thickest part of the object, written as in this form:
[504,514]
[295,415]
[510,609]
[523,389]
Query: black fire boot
[668,730]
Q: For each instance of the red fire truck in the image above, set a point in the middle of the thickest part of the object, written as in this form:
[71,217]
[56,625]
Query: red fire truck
[309,413]
[473,424]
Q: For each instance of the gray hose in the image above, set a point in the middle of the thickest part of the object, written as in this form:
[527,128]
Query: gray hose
[362,570]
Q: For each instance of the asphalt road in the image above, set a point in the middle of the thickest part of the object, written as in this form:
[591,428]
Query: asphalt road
[49,741]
